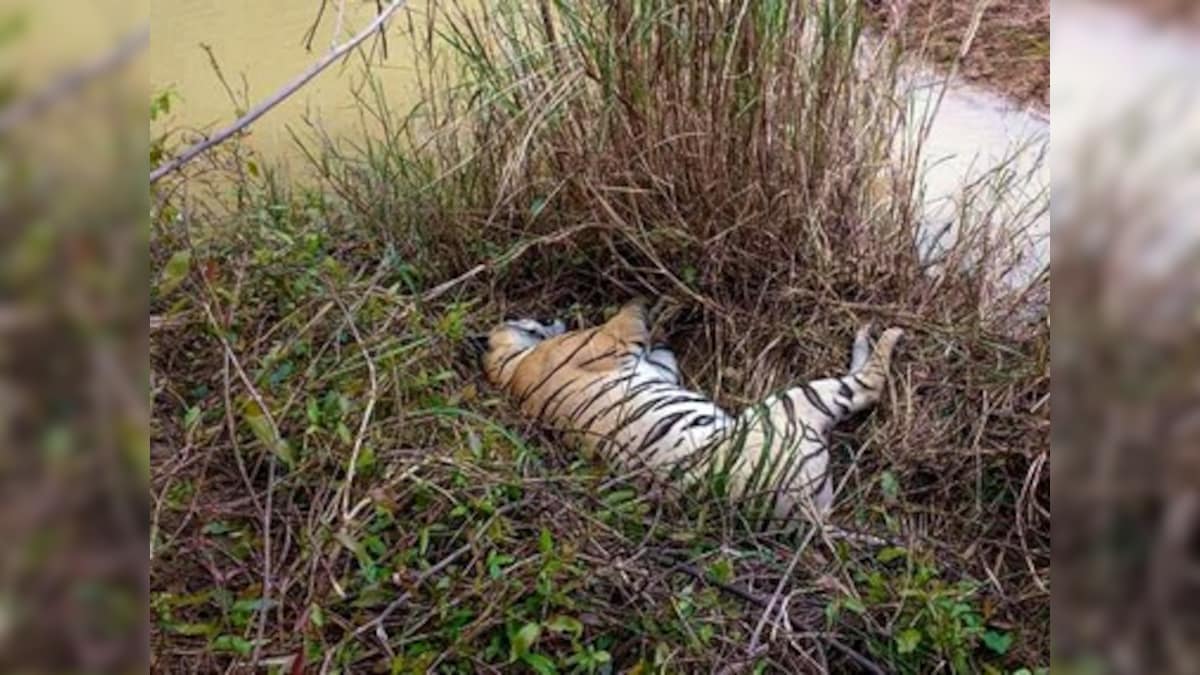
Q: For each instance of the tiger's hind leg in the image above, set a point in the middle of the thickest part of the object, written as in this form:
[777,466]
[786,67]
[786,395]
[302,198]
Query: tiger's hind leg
[814,408]
[868,369]
[861,349]
[860,388]
[629,324]
[825,402]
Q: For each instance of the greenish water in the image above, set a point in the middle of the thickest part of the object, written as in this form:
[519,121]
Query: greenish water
[259,46]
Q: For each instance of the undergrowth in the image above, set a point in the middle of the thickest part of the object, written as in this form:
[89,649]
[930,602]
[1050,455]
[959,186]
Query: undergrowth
[336,488]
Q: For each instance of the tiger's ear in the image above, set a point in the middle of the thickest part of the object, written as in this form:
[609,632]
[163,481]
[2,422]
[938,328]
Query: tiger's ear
[629,324]
[637,306]
[663,306]
[651,314]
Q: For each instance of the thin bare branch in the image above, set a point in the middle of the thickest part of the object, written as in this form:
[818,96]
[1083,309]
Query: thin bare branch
[275,99]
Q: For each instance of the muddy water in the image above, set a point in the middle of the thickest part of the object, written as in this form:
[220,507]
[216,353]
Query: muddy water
[259,46]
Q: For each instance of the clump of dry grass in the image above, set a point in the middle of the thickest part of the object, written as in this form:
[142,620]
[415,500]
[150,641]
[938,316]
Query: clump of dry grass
[335,485]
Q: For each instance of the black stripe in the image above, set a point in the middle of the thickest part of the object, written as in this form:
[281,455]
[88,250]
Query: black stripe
[699,420]
[824,480]
[766,452]
[508,359]
[800,492]
[574,396]
[625,422]
[608,386]
[550,399]
[812,435]
[677,400]
[814,399]
[594,359]
[660,429]
[804,459]
[643,410]
[792,469]
[647,408]
[664,367]
[632,392]
[784,482]
[842,408]
[683,398]
[529,393]
[861,383]
[821,448]
[638,413]
[702,454]
[846,393]
[789,409]
[658,364]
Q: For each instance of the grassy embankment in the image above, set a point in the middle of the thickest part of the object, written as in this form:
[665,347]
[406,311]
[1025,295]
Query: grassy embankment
[335,482]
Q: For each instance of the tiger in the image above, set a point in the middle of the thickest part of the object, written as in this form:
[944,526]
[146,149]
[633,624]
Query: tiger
[620,397]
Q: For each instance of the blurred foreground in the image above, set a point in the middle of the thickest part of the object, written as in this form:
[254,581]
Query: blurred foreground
[1125,96]
[74,420]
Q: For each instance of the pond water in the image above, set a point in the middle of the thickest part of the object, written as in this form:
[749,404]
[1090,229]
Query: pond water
[259,45]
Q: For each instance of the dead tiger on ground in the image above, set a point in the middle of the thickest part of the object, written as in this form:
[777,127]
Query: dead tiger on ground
[608,389]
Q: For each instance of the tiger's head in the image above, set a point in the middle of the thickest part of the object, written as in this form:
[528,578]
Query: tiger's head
[505,346]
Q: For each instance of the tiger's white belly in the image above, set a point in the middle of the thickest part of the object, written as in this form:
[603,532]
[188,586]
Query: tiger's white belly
[640,417]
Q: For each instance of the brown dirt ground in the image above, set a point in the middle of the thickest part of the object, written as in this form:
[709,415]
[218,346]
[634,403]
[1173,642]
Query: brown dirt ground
[1010,52]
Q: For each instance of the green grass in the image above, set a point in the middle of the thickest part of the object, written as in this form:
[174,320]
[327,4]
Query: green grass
[334,482]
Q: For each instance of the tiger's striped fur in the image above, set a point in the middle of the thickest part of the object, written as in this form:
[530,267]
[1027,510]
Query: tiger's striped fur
[608,389]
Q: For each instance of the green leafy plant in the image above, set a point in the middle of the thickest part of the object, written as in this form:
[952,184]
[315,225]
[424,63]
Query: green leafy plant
[932,621]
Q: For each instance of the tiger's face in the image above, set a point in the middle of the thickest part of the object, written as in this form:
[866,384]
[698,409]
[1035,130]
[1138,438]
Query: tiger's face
[508,344]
